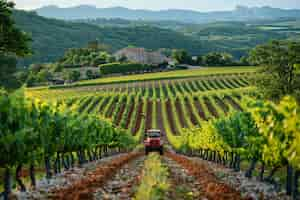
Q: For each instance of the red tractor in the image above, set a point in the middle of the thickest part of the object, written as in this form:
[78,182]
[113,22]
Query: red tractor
[153,141]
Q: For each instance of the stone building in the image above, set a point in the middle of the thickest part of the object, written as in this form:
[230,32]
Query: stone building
[141,55]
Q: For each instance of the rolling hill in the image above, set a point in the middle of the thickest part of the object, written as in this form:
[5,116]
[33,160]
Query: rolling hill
[52,37]
[240,13]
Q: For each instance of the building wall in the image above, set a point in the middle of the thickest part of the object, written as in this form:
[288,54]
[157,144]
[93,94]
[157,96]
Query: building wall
[140,55]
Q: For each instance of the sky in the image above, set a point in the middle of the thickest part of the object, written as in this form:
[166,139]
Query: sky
[199,5]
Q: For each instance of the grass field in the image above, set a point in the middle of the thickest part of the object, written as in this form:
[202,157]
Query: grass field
[205,71]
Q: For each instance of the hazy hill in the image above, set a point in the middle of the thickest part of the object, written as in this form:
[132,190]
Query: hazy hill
[52,37]
[241,13]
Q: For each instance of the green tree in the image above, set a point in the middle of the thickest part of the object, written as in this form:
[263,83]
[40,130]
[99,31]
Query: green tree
[182,57]
[123,59]
[244,61]
[89,74]
[44,75]
[199,60]
[218,59]
[12,39]
[278,77]
[13,42]
[7,70]
[72,75]
[36,68]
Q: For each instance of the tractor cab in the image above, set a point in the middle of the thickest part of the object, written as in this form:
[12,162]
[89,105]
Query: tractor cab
[153,141]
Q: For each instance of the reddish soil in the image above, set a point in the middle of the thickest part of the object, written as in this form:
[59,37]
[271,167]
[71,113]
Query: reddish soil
[211,187]
[226,84]
[218,84]
[150,92]
[210,107]
[204,83]
[212,85]
[200,109]
[148,123]
[84,189]
[221,103]
[194,89]
[111,108]
[104,103]
[159,117]
[172,90]
[143,91]
[120,113]
[130,111]
[233,103]
[185,87]
[233,83]
[165,91]
[138,118]
[178,88]
[190,112]
[85,104]
[157,91]
[170,115]
[95,103]
[199,86]
[180,113]
[241,81]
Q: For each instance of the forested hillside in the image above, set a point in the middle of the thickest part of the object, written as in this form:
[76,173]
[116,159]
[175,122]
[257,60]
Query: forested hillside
[52,37]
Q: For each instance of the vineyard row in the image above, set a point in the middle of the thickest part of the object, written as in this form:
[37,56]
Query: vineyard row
[137,112]
[175,87]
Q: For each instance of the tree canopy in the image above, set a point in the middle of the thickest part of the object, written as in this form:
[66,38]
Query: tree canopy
[279,60]
[13,42]
[12,39]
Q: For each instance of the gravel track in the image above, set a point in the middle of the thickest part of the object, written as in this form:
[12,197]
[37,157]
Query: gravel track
[183,186]
[123,184]
[118,177]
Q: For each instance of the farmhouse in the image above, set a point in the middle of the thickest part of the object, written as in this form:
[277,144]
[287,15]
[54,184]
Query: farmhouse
[141,55]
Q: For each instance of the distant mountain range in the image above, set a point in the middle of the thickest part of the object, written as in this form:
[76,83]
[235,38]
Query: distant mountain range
[240,13]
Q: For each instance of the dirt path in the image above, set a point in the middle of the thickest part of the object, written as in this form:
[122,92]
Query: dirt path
[183,186]
[77,181]
[210,187]
[250,188]
[85,188]
[123,184]
[118,178]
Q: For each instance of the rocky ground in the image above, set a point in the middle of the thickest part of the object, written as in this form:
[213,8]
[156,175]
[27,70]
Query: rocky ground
[123,184]
[65,179]
[187,181]
[249,188]
[183,186]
